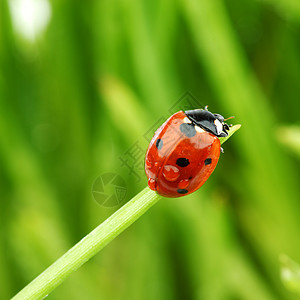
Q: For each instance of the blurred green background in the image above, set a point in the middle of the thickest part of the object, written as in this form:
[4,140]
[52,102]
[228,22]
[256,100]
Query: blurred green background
[82,82]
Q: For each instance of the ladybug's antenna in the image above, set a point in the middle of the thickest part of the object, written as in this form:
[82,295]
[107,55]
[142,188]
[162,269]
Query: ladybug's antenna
[232,117]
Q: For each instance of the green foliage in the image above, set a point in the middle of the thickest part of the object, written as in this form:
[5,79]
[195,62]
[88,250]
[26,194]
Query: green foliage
[290,273]
[289,136]
[92,85]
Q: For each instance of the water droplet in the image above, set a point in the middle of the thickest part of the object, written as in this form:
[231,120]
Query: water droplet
[171,173]
[152,184]
[183,184]
[148,164]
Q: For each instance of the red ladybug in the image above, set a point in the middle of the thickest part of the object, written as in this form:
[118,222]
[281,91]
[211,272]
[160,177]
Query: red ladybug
[184,152]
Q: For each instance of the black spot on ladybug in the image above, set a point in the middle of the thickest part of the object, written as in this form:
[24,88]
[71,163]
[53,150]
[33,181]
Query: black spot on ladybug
[159,144]
[188,129]
[190,177]
[207,161]
[182,191]
[182,162]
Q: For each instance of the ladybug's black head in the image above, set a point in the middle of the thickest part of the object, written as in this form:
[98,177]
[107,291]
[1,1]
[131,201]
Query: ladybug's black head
[213,123]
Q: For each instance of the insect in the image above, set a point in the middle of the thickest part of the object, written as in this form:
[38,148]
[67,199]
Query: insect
[184,152]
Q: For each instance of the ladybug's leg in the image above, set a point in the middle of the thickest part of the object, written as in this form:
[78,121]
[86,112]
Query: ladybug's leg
[222,150]
[226,126]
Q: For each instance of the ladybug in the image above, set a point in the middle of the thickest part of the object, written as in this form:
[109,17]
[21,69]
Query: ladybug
[184,152]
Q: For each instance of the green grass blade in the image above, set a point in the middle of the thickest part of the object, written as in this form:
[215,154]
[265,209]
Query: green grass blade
[89,246]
